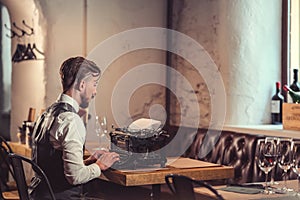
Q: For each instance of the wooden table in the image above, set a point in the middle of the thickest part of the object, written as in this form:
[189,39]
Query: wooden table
[157,177]
[150,177]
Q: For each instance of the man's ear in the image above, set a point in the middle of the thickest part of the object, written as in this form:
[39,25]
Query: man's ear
[82,85]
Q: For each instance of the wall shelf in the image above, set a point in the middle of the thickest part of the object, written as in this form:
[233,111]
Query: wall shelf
[264,129]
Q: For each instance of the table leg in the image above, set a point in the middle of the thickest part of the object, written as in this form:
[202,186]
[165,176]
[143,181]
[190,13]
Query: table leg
[155,194]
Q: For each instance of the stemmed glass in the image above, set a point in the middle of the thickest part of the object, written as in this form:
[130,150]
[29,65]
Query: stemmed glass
[296,162]
[103,124]
[102,133]
[285,158]
[276,142]
[266,158]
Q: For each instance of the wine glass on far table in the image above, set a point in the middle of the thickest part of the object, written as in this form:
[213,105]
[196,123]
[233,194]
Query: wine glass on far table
[285,161]
[266,158]
[276,141]
[296,162]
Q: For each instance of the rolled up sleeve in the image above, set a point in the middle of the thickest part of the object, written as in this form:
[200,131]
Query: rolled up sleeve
[72,133]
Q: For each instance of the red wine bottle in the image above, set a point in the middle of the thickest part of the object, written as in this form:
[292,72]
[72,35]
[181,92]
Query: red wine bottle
[276,108]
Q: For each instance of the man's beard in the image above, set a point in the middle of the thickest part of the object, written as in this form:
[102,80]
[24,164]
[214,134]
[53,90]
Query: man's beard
[84,103]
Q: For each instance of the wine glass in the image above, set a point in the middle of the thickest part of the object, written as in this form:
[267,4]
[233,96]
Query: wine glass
[103,124]
[102,133]
[276,142]
[296,162]
[285,159]
[266,158]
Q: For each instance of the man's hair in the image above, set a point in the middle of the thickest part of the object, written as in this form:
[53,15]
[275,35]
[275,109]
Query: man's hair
[74,69]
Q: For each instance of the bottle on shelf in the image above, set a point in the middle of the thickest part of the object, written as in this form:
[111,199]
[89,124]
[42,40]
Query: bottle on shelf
[293,94]
[295,86]
[276,106]
[102,133]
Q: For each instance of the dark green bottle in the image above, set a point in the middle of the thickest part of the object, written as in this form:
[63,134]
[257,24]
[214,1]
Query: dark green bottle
[295,86]
[293,94]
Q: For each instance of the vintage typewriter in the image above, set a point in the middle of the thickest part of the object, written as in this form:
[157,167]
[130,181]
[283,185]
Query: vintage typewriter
[138,148]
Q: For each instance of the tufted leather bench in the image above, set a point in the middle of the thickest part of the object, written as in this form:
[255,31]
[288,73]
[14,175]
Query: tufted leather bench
[231,149]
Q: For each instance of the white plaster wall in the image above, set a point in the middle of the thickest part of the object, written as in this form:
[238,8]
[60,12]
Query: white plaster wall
[107,18]
[243,38]
[198,20]
[65,30]
[62,24]
[64,39]
[250,57]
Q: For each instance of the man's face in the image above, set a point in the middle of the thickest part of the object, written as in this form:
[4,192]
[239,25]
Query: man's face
[89,91]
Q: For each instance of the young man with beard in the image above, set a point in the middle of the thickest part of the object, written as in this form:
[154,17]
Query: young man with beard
[59,135]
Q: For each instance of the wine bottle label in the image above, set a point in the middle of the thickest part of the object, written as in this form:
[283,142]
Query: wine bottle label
[275,106]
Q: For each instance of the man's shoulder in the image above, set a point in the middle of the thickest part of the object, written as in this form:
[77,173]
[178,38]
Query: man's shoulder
[59,107]
[69,117]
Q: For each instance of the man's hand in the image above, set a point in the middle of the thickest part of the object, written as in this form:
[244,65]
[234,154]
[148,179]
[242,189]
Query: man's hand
[94,157]
[107,159]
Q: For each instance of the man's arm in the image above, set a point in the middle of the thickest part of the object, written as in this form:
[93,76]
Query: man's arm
[71,136]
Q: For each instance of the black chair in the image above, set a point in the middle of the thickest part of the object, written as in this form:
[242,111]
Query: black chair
[8,189]
[5,166]
[17,164]
[182,187]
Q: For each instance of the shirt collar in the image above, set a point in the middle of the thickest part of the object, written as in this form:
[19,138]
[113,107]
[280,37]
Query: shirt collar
[69,100]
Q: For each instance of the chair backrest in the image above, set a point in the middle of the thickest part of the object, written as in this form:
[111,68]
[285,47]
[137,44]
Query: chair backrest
[183,187]
[17,164]
[5,164]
